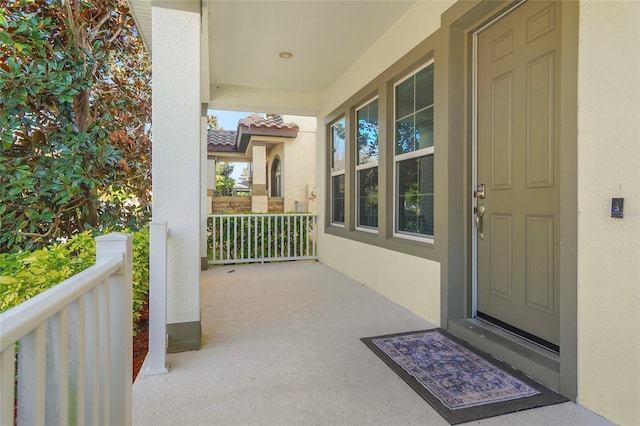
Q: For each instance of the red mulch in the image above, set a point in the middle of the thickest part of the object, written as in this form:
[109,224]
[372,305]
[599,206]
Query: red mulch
[141,340]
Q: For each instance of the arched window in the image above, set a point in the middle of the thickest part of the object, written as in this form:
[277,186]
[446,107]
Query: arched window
[276,183]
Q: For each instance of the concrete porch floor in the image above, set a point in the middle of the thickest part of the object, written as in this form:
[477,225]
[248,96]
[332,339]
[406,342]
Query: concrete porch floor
[281,347]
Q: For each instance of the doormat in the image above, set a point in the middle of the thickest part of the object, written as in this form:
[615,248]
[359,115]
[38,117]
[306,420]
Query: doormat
[461,383]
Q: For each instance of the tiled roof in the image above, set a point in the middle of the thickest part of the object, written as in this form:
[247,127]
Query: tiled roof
[254,125]
[221,137]
[270,121]
[222,140]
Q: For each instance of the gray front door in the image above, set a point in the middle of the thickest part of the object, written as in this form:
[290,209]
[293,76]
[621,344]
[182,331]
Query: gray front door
[518,163]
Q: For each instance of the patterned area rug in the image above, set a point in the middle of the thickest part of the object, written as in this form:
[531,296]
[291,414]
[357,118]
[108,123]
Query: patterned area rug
[458,381]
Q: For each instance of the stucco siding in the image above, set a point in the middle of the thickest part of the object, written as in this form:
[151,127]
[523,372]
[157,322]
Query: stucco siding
[177,154]
[413,27]
[609,249]
[297,163]
[410,281]
[299,167]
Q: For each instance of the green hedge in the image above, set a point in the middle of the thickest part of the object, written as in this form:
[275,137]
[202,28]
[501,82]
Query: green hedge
[26,274]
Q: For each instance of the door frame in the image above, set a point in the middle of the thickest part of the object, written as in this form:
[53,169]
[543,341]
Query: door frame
[455,72]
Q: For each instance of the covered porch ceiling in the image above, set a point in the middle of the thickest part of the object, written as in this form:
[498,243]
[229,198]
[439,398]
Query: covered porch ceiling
[246,38]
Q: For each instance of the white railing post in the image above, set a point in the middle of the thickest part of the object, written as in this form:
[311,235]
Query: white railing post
[315,235]
[158,297]
[32,364]
[119,246]
[7,384]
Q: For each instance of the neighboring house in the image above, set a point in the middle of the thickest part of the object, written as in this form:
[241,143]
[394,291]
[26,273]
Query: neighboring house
[242,188]
[476,187]
[281,157]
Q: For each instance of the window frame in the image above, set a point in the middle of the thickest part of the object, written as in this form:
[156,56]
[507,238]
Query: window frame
[417,153]
[365,166]
[337,172]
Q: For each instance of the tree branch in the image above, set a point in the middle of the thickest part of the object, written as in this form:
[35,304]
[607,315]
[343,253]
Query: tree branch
[115,35]
[99,25]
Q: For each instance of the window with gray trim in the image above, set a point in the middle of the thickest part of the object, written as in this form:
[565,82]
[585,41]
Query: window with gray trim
[367,166]
[338,157]
[413,154]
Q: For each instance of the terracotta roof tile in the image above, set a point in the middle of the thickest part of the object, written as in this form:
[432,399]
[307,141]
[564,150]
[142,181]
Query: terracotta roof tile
[232,141]
[221,138]
[270,121]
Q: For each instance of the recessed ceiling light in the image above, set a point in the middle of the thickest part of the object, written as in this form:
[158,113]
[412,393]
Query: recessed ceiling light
[285,55]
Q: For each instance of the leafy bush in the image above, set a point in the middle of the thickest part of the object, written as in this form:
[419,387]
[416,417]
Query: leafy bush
[26,274]
[140,270]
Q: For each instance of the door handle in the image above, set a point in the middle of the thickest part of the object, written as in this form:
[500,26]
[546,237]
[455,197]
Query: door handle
[479,211]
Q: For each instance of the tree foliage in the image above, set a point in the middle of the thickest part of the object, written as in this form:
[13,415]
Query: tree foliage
[75,101]
[212,123]
[244,175]
[224,181]
[224,169]
[367,141]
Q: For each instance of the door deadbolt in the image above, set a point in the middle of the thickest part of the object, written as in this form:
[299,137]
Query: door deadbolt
[479,193]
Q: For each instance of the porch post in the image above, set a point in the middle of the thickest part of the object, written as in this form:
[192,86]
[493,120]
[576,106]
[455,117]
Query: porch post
[205,95]
[204,209]
[259,199]
[119,246]
[177,163]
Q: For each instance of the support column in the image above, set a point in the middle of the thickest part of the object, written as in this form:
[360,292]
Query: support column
[177,161]
[119,246]
[259,198]
[205,208]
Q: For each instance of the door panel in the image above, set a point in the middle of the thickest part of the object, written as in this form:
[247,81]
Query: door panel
[501,123]
[540,111]
[539,263]
[517,160]
[501,261]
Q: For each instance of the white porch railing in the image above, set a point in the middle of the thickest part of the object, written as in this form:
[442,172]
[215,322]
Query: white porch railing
[73,346]
[247,238]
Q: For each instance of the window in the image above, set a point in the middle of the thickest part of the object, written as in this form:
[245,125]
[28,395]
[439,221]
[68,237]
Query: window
[276,180]
[367,166]
[337,172]
[414,150]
